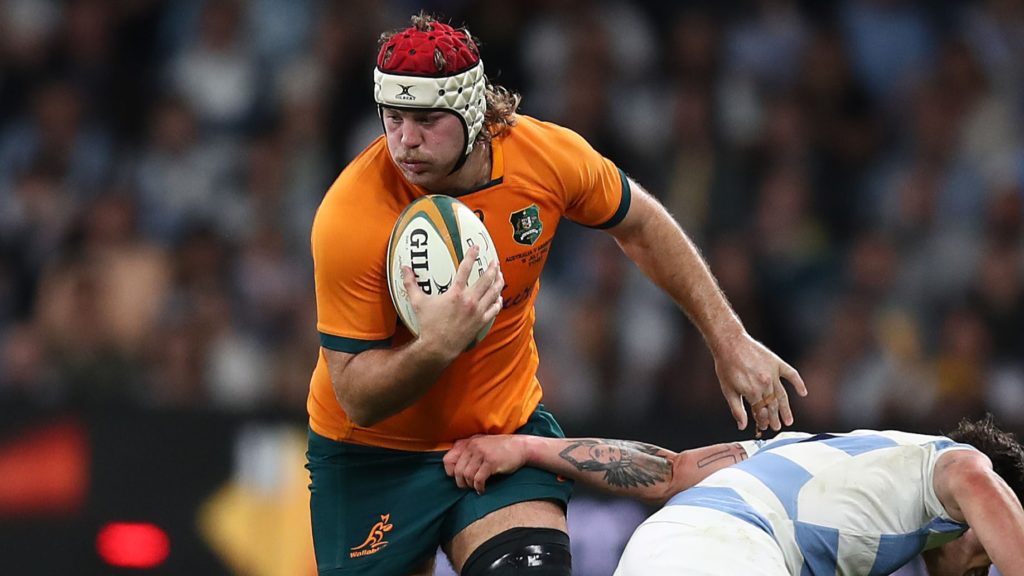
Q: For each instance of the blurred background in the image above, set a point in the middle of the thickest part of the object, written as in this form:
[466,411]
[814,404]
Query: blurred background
[852,170]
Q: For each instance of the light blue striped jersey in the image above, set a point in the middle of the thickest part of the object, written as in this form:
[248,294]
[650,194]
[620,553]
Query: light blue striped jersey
[856,503]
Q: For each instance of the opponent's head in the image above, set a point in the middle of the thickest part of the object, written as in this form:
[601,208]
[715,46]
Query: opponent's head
[433,66]
[1002,448]
[966,556]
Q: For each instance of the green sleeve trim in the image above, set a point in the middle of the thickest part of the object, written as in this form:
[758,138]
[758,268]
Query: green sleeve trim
[351,345]
[627,195]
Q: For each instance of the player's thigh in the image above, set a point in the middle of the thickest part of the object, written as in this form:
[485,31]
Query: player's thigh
[533,514]
[680,540]
[376,511]
[528,498]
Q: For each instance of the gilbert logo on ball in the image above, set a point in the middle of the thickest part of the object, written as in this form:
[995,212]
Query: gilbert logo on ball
[432,236]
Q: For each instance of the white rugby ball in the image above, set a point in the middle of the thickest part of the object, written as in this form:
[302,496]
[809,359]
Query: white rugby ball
[432,236]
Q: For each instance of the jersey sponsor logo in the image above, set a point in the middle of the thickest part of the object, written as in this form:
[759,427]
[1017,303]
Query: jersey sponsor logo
[404,94]
[375,540]
[517,299]
[526,225]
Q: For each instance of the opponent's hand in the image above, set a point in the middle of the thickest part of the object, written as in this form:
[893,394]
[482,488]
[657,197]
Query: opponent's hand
[448,322]
[472,461]
[747,370]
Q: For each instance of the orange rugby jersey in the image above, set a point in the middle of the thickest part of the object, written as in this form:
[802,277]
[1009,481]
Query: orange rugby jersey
[540,172]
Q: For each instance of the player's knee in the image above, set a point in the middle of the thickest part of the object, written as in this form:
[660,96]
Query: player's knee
[522,552]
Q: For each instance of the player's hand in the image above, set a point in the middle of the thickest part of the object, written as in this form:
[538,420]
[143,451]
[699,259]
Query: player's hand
[748,371]
[448,322]
[472,461]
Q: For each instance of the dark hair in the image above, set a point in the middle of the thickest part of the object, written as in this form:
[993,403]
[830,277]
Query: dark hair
[500,113]
[1001,447]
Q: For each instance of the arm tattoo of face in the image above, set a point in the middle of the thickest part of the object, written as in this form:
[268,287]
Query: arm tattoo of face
[733,452]
[625,464]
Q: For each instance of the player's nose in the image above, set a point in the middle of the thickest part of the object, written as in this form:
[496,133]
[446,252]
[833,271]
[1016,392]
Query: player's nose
[411,135]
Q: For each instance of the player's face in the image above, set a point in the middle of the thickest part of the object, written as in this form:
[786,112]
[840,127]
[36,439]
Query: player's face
[604,453]
[961,557]
[424,144]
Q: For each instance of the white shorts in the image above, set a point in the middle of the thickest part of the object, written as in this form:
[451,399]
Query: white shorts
[693,540]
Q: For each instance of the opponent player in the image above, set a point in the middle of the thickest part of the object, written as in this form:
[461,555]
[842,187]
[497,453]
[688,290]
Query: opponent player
[861,503]
[384,406]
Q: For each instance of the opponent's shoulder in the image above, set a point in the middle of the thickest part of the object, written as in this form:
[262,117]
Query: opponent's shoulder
[902,438]
[957,473]
[965,460]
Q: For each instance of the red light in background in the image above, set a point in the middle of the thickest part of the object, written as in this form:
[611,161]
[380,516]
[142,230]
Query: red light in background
[133,545]
[45,470]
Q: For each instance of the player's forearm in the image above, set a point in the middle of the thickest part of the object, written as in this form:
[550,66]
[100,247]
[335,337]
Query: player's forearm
[619,467]
[376,384]
[661,249]
[692,466]
[628,468]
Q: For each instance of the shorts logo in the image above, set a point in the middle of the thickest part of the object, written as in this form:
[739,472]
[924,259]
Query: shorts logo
[375,541]
[526,225]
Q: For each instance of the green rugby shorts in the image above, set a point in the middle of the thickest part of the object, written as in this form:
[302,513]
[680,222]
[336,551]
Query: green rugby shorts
[384,512]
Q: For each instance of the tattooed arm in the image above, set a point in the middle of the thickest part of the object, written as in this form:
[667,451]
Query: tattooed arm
[620,467]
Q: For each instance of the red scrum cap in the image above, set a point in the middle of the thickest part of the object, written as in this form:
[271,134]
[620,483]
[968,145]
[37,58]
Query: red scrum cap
[433,66]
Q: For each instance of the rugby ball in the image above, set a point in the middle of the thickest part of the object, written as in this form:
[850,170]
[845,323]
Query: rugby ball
[431,236]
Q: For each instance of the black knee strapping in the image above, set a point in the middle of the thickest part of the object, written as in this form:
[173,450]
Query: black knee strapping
[522,552]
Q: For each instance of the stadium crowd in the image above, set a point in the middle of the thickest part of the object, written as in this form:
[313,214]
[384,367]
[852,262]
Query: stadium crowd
[853,171]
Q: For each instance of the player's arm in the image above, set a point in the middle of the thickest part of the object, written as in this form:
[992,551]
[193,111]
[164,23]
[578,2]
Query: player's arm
[620,467]
[746,369]
[378,383]
[972,492]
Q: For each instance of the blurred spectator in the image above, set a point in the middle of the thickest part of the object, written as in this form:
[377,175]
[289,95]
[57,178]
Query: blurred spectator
[890,41]
[961,365]
[85,55]
[34,221]
[29,26]
[998,295]
[58,134]
[995,31]
[767,44]
[218,73]
[844,132]
[280,31]
[99,304]
[183,178]
[26,376]
[791,252]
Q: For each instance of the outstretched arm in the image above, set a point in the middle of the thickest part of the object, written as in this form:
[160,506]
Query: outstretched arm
[620,467]
[972,492]
[746,369]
